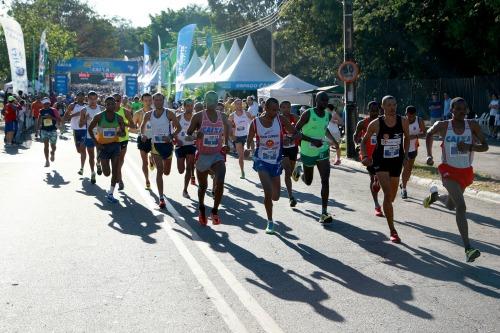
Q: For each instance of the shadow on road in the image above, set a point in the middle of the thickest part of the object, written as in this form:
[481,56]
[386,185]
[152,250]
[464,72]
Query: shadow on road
[133,219]
[423,261]
[55,180]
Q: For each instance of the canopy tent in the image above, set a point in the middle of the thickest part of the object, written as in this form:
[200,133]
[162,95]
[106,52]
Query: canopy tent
[231,57]
[219,59]
[288,88]
[194,79]
[248,72]
[193,66]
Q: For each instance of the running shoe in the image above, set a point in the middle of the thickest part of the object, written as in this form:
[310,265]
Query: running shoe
[270,228]
[296,172]
[202,219]
[215,219]
[431,198]
[293,202]
[378,212]
[193,181]
[121,186]
[395,237]
[99,169]
[92,178]
[242,175]
[111,198]
[404,194]
[185,194]
[471,254]
[80,172]
[325,218]
[148,185]
[162,203]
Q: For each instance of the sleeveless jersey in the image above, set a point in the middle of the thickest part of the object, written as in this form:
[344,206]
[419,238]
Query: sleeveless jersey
[269,147]
[414,130]
[160,126]
[372,143]
[184,127]
[91,113]
[121,112]
[107,131]
[389,141]
[75,121]
[450,153]
[48,124]
[241,123]
[287,138]
[211,143]
[315,128]
[147,130]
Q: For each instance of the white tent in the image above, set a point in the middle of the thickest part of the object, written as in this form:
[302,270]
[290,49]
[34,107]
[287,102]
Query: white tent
[193,66]
[231,57]
[248,72]
[194,79]
[219,59]
[288,88]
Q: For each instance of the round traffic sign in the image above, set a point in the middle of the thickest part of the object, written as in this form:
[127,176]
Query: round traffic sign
[348,71]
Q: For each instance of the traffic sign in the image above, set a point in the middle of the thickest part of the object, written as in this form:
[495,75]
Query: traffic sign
[348,71]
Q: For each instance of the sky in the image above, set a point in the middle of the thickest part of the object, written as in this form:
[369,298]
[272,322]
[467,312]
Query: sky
[137,11]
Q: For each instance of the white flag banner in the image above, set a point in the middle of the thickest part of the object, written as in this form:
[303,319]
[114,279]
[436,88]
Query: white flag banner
[43,60]
[15,45]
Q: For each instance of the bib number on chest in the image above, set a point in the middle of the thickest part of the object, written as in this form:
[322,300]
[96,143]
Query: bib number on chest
[269,154]
[47,122]
[455,152]
[109,133]
[211,141]
[391,151]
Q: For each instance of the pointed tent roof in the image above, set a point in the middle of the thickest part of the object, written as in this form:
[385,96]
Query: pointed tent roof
[193,66]
[248,72]
[195,78]
[219,59]
[231,57]
[288,88]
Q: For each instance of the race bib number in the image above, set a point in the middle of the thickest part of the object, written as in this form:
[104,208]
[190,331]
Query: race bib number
[210,141]
[391,151]
[269,154]
[455,152]
[160,136]
[240,128]
[109,133]
[47,122]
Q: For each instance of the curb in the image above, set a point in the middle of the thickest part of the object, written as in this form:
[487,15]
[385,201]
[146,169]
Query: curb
[427,182]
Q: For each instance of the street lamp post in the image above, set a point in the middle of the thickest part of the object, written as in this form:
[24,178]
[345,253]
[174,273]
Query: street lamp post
[350,87]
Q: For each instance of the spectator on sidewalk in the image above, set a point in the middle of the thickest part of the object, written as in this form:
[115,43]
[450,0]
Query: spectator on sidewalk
[446,106]
[493,106]
[10,116]
[435,109]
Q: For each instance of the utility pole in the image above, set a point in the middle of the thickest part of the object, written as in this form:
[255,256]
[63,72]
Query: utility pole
[349,86]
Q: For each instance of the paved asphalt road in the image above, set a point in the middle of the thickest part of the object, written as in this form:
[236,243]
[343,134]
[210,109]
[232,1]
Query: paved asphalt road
[71,262]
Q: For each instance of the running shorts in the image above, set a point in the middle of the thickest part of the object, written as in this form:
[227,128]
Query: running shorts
[463,176]
[164,150]
[393,166]
[274,170]
[310,161]
[144,146]
[241,139]
[80,136]
[123,144]
[10,126]
[291,153]
[89,143]
[412,155]
[204,162]
[183,151]
[51,136]
[109,151]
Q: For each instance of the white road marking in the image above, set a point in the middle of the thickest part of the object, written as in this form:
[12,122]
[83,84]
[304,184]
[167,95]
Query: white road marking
[229,316]
[249,302]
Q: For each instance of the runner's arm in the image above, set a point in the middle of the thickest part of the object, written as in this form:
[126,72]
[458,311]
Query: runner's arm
[227,129]
[194,125]
[128,116]
[251,134]
[175,121]
[436,128]
[289,128]
[69,111]
[145,120]
[92,125]
[478,134]
[121,123]
[406,139]
[356,135]
[83,117]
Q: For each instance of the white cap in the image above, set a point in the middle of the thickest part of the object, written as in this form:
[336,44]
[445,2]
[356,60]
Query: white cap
[45,100]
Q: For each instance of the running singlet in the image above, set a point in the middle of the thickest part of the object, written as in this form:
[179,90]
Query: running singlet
[241,123]
[75,121]
[211,142]
[147,130]
[107,131]
[450,153]
[269,141]
[315,128]
[414,130]
[184,127]
[372,143]
[48,124]
[91,113]
[389,141]
[287,138]
[160,127]
[121,112]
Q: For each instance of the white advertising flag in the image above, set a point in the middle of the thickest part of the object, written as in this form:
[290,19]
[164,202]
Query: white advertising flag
[15,45]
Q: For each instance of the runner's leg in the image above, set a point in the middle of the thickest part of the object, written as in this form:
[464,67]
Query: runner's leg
[374,194]
[241,157]
[456,194]
[407,168]
[387,187]
[267,186]
[324,172]
[145,170]
[307,177]
[220,173]
[159,174]
[106,169]
[287,167]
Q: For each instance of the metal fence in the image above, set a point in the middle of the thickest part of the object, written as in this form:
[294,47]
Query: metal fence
[476,91]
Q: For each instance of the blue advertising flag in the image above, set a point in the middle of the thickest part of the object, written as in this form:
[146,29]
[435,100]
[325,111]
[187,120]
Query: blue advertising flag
[184,41]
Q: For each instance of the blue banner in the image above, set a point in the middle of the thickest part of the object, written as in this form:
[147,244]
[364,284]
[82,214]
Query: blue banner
[243,85]
[61,84]
[131,85]
[184,41]
[90,65]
